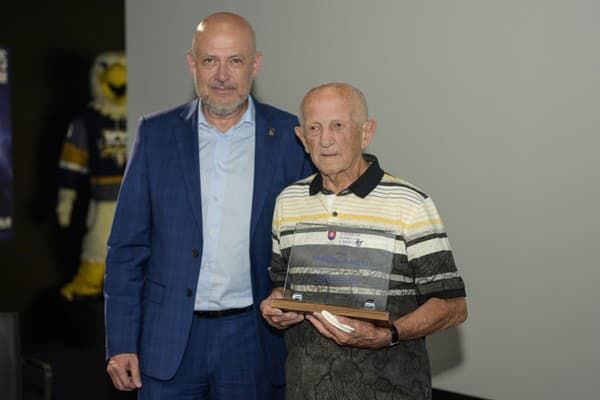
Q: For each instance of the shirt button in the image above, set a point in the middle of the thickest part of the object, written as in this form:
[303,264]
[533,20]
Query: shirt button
[189,292]
[195,253]
[335,214]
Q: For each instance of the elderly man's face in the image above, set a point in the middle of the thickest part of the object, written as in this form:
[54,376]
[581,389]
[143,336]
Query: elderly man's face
[223,66]
[334,139]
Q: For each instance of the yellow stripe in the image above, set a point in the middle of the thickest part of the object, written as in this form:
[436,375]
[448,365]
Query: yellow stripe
[388,221]
[302,218]
[75,155]
[106,180]
[391,221]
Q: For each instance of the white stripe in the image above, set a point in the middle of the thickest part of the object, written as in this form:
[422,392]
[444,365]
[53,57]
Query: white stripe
[73,167]
[353,272]
[348,239]
[350,290]
[363,273]
[401,278]
[401,292]
[438,277]
[428,247]
[374,274]
[339,290]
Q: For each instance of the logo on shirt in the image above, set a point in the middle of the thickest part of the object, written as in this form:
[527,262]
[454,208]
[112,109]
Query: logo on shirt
[331,235]
[113,144]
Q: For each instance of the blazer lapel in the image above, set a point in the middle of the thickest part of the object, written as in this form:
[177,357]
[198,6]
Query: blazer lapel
[265,145]
[186,136]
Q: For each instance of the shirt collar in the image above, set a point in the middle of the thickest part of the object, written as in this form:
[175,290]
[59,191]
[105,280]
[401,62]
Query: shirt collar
[247,118]
[360,187]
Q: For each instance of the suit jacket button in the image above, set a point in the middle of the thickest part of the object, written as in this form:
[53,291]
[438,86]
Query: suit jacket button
[189,292]
[195,253]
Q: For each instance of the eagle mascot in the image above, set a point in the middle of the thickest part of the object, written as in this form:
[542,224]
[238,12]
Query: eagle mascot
[95,149]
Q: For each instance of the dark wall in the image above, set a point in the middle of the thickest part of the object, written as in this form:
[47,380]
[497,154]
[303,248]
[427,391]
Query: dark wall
[52,46]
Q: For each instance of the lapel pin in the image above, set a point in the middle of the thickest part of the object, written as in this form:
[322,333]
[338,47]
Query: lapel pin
[271,131]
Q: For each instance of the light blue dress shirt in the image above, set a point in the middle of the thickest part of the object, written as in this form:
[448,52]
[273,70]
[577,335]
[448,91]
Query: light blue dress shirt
[227,181]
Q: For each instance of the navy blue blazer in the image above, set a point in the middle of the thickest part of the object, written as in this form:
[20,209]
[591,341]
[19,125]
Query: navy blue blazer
[155,245]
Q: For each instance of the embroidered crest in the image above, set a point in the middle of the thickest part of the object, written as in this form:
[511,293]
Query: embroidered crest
[331,234]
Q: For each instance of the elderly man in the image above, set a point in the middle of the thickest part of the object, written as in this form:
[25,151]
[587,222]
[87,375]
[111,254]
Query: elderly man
[351,190]
[190,243]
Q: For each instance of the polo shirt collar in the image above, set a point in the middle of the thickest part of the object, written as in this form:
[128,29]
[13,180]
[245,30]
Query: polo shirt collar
[360,187]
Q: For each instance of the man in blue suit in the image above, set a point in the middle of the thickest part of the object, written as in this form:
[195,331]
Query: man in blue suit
[191,239]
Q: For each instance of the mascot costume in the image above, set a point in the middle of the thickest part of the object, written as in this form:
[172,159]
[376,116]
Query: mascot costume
[95,149]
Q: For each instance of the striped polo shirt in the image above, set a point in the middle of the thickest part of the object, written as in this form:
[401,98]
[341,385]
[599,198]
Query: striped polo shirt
[422,264]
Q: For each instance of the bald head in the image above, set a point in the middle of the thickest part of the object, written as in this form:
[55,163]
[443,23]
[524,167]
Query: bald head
[224,22]
[223,62]
[355,98]
[335,131]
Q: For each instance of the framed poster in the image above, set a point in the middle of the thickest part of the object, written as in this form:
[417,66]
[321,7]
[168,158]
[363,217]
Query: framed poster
[6,169]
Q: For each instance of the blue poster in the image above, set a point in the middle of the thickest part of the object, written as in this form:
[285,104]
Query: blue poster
[6,170]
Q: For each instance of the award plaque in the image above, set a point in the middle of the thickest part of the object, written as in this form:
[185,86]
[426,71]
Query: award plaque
[343,270]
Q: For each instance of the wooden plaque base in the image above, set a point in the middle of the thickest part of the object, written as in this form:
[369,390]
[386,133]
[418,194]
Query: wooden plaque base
[379,318]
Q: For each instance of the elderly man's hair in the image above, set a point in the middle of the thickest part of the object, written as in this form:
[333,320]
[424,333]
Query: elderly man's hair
[360,111]
[223,17]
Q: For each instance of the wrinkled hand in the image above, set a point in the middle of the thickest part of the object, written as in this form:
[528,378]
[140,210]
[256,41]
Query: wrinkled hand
[276,317]
[365,334]
[124,371]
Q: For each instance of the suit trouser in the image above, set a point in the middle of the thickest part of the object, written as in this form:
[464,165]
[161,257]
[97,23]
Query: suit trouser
[222,361]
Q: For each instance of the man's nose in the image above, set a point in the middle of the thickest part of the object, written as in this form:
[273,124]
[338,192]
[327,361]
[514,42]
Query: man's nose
[222,72]
[327,138]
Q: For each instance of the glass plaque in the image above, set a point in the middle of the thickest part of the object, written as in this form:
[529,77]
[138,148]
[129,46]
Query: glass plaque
[343,270]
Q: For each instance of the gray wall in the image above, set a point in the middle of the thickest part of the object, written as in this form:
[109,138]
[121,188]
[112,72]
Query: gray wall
[493,108]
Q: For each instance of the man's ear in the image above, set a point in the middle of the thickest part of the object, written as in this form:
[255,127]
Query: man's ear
[191,62]
[300,134]
[368,130]
[257,63]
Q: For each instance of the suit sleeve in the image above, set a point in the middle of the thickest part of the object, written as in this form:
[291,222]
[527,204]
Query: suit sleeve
[128,253]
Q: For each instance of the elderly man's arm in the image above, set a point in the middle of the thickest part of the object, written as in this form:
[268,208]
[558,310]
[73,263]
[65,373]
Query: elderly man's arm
[434,315]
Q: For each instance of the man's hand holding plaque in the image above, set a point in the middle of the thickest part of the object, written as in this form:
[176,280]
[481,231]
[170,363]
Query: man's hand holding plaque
[349,331]
[277,317]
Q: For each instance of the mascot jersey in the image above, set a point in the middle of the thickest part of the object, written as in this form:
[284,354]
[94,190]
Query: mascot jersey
[96,149]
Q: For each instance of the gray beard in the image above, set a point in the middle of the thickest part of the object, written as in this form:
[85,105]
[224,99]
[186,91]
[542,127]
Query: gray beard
[223,110]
